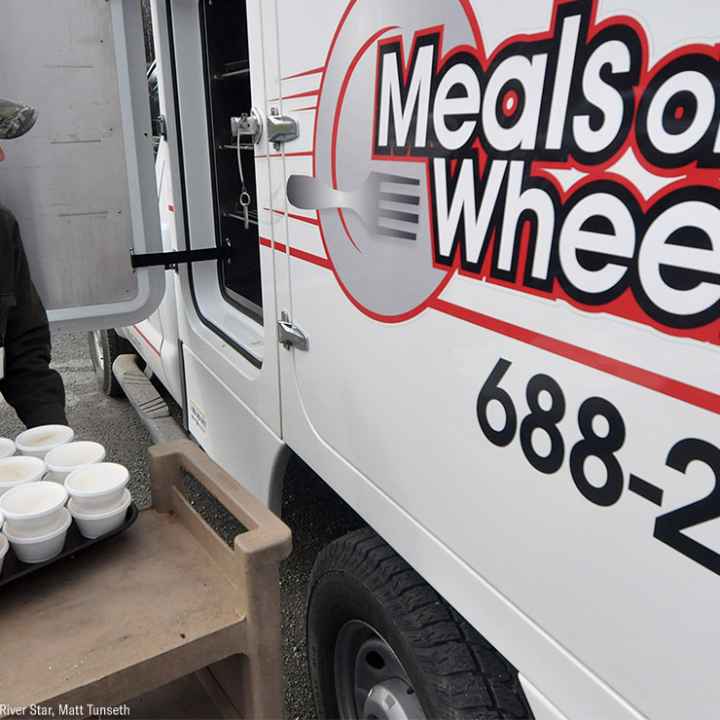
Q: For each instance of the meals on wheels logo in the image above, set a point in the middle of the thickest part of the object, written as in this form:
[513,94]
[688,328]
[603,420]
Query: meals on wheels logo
[563,164]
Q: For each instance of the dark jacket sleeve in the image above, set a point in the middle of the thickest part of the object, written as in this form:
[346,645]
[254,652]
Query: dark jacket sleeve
[30,386]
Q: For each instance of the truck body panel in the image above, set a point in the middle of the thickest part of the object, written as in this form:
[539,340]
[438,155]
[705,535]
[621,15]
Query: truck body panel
[554,435]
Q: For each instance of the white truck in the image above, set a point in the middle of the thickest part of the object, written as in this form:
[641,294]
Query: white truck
[461,257]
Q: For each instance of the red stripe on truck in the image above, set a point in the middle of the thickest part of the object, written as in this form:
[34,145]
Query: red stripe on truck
[147,341]
[625,371]
[617,368]
[299,254]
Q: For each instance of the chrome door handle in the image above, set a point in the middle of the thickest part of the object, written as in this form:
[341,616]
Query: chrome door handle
[290,335]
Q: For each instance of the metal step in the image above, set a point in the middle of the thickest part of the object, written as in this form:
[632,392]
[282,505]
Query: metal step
[147,401]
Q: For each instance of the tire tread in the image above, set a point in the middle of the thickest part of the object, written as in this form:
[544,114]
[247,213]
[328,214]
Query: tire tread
[468,675]
[112,346]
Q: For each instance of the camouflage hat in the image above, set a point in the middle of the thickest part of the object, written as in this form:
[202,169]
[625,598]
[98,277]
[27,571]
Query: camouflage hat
[15,119]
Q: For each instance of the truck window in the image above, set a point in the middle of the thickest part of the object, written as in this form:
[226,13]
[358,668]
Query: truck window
[227,79]
[153,92]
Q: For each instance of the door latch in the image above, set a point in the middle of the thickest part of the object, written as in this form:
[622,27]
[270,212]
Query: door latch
[247,125]
[290,335]
[281,129]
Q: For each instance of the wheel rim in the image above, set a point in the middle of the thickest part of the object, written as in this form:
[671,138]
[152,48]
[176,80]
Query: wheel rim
[98,347]
[371,682]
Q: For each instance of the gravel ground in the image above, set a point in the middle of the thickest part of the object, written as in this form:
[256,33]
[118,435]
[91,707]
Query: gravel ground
[314,513]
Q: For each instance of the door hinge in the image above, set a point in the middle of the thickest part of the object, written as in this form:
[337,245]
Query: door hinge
[171,260]
[290,335]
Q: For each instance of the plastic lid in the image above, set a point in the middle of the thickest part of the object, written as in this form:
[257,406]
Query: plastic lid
[32,500]
[20,469]
[120,506]
[61,524]
[74,454]
[96,480]
[45,437]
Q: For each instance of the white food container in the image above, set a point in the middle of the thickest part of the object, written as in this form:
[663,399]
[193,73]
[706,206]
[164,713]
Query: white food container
[38,549]
[39,441]
[4,547]
[62,460]
[93,525]
[33,509]
[97,488]
[7,448]
[19,470]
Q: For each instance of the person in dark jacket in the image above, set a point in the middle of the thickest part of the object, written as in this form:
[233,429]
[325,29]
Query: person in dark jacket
[27,382]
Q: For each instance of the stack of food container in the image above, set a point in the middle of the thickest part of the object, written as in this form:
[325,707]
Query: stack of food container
[51,483]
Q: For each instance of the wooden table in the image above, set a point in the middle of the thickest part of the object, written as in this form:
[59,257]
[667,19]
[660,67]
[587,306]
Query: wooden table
[166,599]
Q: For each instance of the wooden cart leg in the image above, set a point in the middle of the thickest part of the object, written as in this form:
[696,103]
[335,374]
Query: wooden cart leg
[265,643]
[165,470]
[249,681]
[253,683]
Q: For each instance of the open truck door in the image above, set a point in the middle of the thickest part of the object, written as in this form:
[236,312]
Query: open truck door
[82,182]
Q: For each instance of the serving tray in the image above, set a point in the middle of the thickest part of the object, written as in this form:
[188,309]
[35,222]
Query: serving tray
[75,543]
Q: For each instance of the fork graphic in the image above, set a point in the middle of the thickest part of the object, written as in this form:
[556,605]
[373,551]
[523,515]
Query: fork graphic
[371,202]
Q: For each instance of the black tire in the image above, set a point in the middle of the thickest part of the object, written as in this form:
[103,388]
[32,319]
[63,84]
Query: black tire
[455,672]
[105,346]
